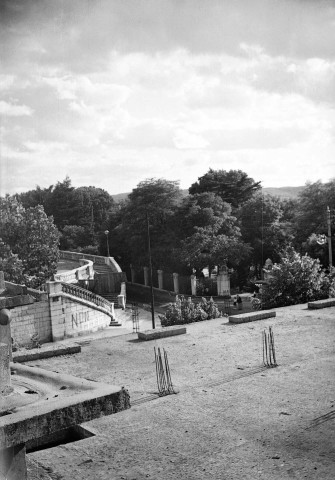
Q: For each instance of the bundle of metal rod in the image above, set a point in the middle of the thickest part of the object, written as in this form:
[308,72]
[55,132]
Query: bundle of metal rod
[135,318]
[164,382]
[269,352]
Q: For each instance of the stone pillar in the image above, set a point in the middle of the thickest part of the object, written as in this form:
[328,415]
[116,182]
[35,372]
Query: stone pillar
[57,311]
[146,276]
[160,279]
[5,333]
[193,284]
[132,271]
[223,283]
[5,379]
[176,282]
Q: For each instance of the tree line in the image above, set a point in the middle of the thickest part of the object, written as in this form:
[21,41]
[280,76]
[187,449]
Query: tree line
[224,219]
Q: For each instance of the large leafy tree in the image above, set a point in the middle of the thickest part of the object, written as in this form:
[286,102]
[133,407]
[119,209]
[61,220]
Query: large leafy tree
[311,218]
[10,264]
[156,201]
[233,186]
[81,214]
[265,228]
[208,232]
[32,236]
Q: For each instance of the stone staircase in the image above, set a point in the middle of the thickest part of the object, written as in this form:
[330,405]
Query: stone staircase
[101,268]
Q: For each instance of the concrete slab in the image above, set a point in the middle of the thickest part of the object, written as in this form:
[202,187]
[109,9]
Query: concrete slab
[62,401]
[328,302]
[252,316]
[161,333]
[45,351]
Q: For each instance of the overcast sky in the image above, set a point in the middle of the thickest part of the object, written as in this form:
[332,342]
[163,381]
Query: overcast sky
[111,92]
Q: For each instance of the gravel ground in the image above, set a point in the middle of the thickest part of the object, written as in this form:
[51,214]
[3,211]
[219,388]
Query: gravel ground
[232,419]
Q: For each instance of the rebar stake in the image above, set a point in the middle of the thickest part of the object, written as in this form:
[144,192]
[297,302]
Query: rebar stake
[269,352]
[164,383]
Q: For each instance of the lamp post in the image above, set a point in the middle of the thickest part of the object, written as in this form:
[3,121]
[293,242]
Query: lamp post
[106,233]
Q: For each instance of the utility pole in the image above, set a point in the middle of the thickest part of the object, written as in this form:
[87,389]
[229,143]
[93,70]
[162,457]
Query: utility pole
[151,285]
[329,239]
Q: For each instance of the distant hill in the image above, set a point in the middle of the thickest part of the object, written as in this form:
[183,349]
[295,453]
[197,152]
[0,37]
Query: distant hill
[281,192]
[284,192]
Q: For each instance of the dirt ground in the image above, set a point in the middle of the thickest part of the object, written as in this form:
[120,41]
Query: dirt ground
[230,420]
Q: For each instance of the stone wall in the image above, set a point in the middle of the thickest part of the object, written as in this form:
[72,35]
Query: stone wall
[57,315]
[71,319]
[27,320]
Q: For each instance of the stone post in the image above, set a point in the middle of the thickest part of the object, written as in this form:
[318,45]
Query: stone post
[176,283]
[146,276]
[132,271]
[5,351]
[223,282]
[4,369]
[193,284]
[160,279]
[5,333]
[57,311]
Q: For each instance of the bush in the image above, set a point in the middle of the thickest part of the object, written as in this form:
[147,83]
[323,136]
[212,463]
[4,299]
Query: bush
[296,279]
[184,311]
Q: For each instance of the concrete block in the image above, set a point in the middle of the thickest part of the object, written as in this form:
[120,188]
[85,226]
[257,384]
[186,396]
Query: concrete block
[161,332]
[45,352]
[328,302]
[251,316]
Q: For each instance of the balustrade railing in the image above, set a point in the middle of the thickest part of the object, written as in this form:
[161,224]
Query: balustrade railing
[85,295]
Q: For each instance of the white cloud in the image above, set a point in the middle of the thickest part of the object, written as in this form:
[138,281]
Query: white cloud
[12,110]
[122,94]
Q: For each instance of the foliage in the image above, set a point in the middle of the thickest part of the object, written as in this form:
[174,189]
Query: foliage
[10,264]
[296,279]
[264,228]
[157,200]
[184,311]
[310,217]
[72,237]
[33,237]
[79,213]
[233,186]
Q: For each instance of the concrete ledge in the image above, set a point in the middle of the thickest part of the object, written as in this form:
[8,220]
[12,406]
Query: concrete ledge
[45,352]
[251,316]
[328,302]
[161,332]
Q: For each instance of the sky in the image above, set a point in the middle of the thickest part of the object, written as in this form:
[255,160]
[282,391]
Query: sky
[113,92]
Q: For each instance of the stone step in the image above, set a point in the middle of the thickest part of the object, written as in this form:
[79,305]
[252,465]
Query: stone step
[115,324]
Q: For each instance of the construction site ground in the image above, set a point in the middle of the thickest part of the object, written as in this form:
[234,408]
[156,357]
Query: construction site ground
[232,418]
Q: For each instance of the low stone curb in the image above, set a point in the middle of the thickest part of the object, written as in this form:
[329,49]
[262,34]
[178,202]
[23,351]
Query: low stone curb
[45,352]
[328,302]
[251,316]
[161,333]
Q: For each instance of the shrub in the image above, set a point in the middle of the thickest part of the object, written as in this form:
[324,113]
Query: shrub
[296,279]
[184,311]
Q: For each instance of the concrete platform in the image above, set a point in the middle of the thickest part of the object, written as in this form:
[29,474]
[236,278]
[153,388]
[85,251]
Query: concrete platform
[252,316]
[328,302]
[62,401]
[45,351]
[161,332]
